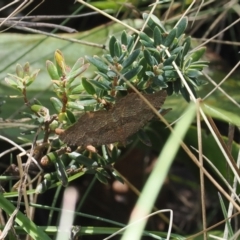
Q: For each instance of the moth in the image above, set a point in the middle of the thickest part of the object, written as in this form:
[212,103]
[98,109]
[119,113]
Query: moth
[126,117]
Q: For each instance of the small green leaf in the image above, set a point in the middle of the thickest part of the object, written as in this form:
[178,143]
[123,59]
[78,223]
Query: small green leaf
[147,44]
[186,46]
[52,70]
[115,154]
[76,89]
[124,38]
[193,73]
[97,62]
[176,50]
[13,84]
[81,159]
[32,78]
[36,108]
[101,178]
[153,22]
[170,88]
[170,74]
[177,86]
[148,57]
[74,105]
[143,36]
[57,104]
[99,85]
[70,117]
[157,36]
[132,73]
[88,86]
[196,55]
[73,74]
[109,98]
[112,42]
[111,74]
[117,49]
[197,66]
[60,62]
[131,58]
[169,60]
[61,173]
[130,43]
[170,38]
[26,69]
[181,27]
[62,117]
[19,71]
[109,58]
[185,94]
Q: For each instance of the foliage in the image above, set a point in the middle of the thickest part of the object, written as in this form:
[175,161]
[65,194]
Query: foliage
[148,68]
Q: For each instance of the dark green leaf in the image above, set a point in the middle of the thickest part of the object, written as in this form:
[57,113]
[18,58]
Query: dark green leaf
[148,58]
[105,76]
[170,38]
[193,73]
[111,74]
[176,50]
[76,89]
[99,85]
[130,43]
[161,83]
[169,74]
[147,44]
[112,42]
[70,117]
[117,49]
[52,70]
[182,25]
[153,22]
[109,58]
[131,73]
[185,94]
[109,98]
[196,55]
[169,60]
[73,74]
[101,178]
[131,58]
[114,154]
[186,46]
[170,88]
[124,38]
[57,104]
[81,159]
[120,88]
[88,86]
[143,36]
[150,74]
[157,36]
[74,105]
[97,62]
[177,85]
[61,173]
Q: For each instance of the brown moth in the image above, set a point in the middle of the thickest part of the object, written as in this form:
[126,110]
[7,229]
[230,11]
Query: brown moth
[128,115]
